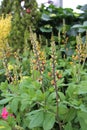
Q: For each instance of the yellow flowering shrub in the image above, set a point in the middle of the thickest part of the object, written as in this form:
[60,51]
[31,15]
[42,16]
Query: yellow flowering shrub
[5,26]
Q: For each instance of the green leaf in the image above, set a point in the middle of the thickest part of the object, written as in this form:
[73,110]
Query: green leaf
[62,109]
[2,71]
[24,105]
[42,29]
[25,101]
[61,95]
[25,82]
[82,117]
[14,105]
[82,88]
[52,96]
[5,125]
[68,126]
[39,95]
[77,26]
[72,90]
[49,121]
[70,115]
[36,119]
[4,101]
[45,17]
[81,30]
[83,108]
[4,85]
[85,23]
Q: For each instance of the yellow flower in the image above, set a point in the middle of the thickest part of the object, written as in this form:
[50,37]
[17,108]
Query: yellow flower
[10,67]
[5,27]
[71,63]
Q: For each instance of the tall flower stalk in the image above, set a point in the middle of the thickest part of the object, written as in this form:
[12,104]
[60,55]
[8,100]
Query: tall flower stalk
[54,78]
[80,56]
[39,56]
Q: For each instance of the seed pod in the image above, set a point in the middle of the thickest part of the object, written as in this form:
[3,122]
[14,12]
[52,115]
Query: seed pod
[52,82]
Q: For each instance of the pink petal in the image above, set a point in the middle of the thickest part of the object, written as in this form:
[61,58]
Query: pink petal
[4,113]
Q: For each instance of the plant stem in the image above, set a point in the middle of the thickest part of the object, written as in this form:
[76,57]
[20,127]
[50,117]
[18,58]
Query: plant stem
[56,88]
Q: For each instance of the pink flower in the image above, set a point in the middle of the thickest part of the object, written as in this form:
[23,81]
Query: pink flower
[4,113]
[28,11]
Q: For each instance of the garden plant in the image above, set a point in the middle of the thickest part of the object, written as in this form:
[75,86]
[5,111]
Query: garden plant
[43,67]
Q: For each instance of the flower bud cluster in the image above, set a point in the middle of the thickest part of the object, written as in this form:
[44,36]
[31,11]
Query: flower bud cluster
[81,50]
[39,59]
[54,74]
[64,38]
[8,67]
